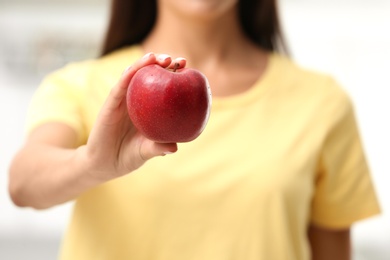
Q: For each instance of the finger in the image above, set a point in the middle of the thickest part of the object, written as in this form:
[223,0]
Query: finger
[118,92]
[164,60]
[148,150]
[147,59]
[177,63]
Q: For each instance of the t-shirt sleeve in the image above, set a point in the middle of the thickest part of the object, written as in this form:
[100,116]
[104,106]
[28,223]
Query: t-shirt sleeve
[344,191]
[59,99]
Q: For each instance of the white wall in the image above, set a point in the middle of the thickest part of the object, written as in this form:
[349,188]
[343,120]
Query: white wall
[35,38]
[349,39]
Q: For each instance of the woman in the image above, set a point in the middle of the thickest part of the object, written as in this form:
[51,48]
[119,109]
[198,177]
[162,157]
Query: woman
[278,173]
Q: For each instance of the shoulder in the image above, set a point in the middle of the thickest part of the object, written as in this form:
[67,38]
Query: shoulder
[308,85]
[300,78]
[107,68]
[117,61]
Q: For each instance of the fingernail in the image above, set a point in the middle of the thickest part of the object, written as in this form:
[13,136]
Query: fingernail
[127,69]
[147,55]
[167,152]
[180,58]
[163,57]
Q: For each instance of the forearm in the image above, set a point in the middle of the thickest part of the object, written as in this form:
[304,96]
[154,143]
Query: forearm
[42,176]
[49,171]
[329,244]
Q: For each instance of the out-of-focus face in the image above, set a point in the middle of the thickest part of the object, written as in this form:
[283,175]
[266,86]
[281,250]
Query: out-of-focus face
[199,8]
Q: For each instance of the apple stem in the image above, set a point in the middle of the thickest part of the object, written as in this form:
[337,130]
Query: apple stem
[175,66]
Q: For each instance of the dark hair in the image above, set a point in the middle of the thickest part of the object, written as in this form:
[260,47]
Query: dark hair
[132,20]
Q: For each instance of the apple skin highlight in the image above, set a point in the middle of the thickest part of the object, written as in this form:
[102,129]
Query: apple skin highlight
[169,106]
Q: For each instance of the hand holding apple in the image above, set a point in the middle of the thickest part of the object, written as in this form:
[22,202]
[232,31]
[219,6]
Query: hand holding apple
[169,105]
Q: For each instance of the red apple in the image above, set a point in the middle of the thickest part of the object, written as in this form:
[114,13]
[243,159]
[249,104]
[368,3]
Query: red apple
[169,106]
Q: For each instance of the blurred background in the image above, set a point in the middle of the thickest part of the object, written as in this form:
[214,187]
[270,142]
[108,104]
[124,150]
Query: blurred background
[349,39]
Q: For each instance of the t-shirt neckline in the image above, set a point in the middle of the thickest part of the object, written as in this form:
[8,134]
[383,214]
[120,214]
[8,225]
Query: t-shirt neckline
[248,96]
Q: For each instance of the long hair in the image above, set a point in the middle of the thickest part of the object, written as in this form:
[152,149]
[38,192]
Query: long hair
[132,20]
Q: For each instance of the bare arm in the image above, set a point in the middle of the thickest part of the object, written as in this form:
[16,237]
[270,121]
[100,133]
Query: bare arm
[329,244]
[49,169]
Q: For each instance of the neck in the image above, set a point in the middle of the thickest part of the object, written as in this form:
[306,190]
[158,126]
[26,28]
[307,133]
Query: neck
[202,42]
[214,44]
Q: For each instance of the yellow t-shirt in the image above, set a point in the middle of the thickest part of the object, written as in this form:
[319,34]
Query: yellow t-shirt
[271,160]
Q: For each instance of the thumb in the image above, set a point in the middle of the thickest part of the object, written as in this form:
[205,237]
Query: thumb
[149,150]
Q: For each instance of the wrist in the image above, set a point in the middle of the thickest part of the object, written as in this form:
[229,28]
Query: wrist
[88,168]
